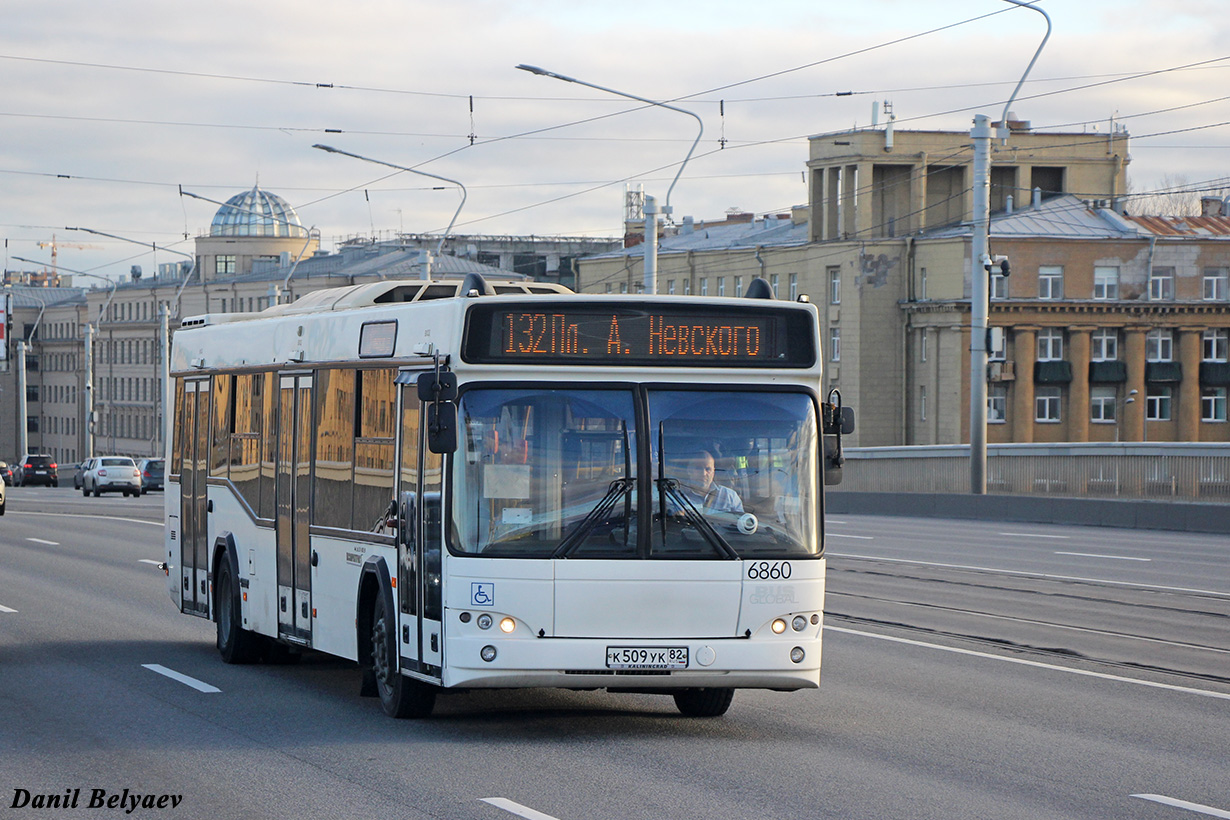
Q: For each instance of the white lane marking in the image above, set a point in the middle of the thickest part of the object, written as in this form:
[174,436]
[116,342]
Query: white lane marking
[1037,664]
[149,561]
[200,686]
[74,515]
[1095,555]
[1183,804]
[4,608]
[1033,535]
[1024,574]
[839,535]
[44,541]
[516,808]
[834,521]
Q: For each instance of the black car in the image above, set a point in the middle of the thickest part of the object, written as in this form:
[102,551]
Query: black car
[36,469]
[151,473]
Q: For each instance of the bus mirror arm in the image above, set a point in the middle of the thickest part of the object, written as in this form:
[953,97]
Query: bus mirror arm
[837,420]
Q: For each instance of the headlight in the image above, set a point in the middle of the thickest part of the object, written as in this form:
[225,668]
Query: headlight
[779,626]
[507,625]
[797,654]
[483,621]
[799,623]
[487,653]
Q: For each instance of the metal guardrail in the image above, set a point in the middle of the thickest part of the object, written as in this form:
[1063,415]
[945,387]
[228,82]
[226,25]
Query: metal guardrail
[1177,471]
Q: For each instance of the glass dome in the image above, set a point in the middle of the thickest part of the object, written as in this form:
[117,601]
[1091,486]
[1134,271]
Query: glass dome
[257,213]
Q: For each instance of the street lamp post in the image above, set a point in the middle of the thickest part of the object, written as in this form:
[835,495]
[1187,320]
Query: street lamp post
[426,269]
[651,209]
[980,265]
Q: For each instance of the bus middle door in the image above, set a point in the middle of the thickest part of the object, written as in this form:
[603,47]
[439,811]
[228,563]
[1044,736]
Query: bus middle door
[294,487]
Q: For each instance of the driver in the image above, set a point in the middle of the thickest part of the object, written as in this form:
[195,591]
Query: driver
[700,489]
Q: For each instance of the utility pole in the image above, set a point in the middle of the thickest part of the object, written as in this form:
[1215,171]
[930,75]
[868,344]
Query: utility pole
[89,390]
[23,431]
[651,244]
[162,411]
[979,306]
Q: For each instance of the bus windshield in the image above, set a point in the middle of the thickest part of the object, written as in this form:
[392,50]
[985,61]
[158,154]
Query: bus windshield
[546,472]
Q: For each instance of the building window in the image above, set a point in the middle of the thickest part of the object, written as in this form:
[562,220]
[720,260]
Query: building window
[1157,403]
[1159,345]
[1104,345]
[1161,283]
[834,284]
[999,286]
[224,265]
[1046,404]
[997,404]
[1213,404]
[739,287]
[1105,283]
[794,287]
[1050,344]
[922,402]
[834,344]
[670,287]
[1216,345]
[773,284]
[922,345]
[922,284]
[1216,284]
[1102,402]
[721,286]
[1050,282]
[704,287]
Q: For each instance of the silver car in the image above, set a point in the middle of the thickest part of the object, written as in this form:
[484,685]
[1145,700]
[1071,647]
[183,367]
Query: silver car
[109,474]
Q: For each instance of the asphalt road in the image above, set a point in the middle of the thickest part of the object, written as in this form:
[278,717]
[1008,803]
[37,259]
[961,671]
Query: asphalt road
[972,670]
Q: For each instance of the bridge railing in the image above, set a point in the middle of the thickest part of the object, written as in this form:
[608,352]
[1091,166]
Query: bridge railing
[1187,471]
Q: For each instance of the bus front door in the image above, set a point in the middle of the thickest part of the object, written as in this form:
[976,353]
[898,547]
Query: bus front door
[294,486]
[419,543]
[194,473]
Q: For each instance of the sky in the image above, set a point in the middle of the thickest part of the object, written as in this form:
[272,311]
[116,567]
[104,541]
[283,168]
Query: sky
[109,110]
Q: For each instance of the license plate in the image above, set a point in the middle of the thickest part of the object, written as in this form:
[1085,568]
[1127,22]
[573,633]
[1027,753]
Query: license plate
[646,657]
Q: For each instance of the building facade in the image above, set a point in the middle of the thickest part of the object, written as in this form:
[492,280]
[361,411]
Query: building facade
[1109,327]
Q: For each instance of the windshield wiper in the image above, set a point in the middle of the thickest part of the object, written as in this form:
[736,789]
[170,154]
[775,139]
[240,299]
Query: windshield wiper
[670,486]
[618,489]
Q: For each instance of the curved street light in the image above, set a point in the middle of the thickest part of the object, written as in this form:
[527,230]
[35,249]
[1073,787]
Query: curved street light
[650,209]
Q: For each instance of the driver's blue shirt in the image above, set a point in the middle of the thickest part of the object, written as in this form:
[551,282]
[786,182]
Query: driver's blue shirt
[717,499]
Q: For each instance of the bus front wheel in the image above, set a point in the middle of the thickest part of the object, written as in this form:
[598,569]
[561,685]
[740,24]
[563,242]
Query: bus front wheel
[400,696]
[704,702]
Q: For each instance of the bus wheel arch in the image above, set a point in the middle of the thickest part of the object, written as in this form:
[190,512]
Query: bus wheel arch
[400,696]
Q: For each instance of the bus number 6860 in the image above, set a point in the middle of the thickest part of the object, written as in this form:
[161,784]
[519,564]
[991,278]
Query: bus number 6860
[768,570]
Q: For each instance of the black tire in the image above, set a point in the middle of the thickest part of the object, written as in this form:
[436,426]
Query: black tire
[97,492]
[400,697]
[704,702]
[235,644]
[2,505]
[85,492]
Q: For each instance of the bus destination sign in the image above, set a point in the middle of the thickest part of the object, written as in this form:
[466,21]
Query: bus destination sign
[666,335]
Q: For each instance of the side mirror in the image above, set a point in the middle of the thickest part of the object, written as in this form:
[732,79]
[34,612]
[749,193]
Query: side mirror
[437,386]
[442,427]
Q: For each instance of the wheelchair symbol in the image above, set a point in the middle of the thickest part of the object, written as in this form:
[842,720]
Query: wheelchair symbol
[482,594]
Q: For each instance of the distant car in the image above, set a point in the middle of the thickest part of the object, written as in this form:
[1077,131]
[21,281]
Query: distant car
[81,468]
[110,474]
[6,472]
[36,468]
[152,470]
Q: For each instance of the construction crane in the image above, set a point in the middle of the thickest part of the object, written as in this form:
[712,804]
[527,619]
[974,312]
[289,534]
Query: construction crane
[53,244]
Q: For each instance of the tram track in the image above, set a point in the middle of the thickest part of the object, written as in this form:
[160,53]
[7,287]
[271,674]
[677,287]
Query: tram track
[1143,629]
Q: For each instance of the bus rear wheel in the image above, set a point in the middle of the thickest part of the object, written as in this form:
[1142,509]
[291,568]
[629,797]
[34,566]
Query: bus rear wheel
[235,644]
[400,697]
[704,702]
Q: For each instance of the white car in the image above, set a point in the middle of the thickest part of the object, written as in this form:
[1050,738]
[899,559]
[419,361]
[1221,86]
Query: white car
[109,474]
[3,501]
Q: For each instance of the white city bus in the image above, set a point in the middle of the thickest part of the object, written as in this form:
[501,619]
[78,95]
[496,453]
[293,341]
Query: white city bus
[482,484]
